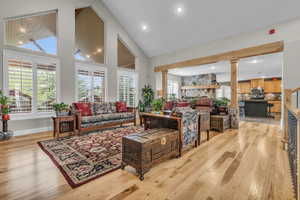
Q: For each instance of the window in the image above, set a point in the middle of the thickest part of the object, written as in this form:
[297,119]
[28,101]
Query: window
[125,58]
[30,82]
[36,33]
[127,86]
[91,84]
[173,89]
[89,36]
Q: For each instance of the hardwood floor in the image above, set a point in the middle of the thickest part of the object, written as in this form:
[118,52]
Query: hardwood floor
[244,164]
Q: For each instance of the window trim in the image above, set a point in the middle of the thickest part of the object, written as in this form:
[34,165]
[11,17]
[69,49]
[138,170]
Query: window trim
[136,76]
[82,65]
[15,48]
[34,114]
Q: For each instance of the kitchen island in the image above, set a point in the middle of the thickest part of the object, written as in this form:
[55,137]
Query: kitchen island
[256,108]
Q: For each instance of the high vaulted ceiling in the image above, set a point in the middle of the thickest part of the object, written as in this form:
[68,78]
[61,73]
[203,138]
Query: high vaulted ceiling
[201,20]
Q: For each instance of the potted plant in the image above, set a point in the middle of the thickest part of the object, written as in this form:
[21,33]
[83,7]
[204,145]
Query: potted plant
[221,105]
[148,96]
[4,107]
[157,105]
[61,109]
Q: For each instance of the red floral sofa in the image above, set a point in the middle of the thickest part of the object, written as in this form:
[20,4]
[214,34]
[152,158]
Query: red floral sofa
[94,116]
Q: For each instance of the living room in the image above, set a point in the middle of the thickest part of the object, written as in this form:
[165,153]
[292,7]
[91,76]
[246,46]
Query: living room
[88,108]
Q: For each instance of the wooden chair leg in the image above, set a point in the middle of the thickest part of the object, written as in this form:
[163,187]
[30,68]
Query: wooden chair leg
[207,135]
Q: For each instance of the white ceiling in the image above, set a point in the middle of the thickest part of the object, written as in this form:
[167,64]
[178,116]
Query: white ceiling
[202,21]
[267,66]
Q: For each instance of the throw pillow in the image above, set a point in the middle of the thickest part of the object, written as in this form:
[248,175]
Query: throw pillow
[84,108]
[182,104]
[121,106]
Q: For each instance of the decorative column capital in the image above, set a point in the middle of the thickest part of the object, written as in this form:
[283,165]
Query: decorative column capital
[234,60]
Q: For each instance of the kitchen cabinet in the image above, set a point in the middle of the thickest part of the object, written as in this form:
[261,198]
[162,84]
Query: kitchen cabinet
[277,106]
[273,86]
[244,87]
[255,83]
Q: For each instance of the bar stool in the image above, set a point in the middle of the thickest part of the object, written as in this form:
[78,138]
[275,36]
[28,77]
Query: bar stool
[269,114]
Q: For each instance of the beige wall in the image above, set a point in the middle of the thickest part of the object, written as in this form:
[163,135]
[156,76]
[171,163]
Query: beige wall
[66,47]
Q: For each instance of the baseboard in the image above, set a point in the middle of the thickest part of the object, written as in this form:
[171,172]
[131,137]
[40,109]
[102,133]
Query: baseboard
[32,131]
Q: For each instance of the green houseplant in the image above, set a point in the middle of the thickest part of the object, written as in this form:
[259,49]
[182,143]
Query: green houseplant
[4,106]
[61,109]
[157,104]
[148,96]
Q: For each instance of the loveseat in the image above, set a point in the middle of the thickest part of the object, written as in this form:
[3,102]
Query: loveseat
[94,116]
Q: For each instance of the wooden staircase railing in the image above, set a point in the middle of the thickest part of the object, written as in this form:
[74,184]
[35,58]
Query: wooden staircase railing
[291,139]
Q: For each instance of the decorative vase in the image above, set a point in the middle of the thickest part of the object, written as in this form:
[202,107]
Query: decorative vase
[5,117]
[62,113]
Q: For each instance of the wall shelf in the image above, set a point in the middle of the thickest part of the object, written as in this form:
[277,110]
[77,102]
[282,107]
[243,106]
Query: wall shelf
[197,87]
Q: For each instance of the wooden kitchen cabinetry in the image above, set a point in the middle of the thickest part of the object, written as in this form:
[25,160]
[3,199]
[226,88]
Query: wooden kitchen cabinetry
[273,86]
[277,106]
[255,83]
[244,87]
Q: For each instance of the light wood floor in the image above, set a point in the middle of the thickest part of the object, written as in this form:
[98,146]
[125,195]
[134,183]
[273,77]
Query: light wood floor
[244,164]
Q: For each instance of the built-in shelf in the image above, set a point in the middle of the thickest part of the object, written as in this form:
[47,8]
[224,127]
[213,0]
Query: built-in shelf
[193,87]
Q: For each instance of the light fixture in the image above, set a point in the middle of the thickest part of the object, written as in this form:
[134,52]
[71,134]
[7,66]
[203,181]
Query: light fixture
[20,42]
[144,27]
[22,30]
[179,10]
[212,67]
[88,56]
[99,50]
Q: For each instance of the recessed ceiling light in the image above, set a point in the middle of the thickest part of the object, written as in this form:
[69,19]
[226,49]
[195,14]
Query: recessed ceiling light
[20,42]
[22,30]
[99,50]
[144,27]
[88,56]
[213,67]
[179,10]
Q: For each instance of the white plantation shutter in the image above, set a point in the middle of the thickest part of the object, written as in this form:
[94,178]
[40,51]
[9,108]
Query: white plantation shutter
[84,82]
[99,86]
[127,88]
[46,87]
[91,85]
[30,81]
[20,85]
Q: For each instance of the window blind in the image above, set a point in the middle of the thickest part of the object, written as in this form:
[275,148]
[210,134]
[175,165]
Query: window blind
[127,89]
[91,85]
[20,85]
[46,87]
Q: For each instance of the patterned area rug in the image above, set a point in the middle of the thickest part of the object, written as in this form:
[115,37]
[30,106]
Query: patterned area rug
[84,158]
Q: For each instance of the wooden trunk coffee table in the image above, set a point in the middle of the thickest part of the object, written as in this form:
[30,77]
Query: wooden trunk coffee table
[152,120]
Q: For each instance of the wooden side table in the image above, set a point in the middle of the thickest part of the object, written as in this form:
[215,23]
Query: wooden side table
[219,122]
[204,125]
[64,124]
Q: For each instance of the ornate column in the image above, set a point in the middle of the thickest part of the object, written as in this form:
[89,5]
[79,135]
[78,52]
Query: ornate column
[234,105]
[165,84]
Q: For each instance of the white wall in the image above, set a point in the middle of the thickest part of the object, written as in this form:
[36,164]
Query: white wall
[288,32]
[66,45]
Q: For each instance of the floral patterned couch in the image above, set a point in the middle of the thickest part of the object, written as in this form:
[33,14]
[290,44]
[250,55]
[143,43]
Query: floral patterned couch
[94,116]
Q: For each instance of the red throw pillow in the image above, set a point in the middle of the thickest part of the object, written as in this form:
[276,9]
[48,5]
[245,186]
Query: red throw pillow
[84,109]
[121,106]
[169,105]
[182,104]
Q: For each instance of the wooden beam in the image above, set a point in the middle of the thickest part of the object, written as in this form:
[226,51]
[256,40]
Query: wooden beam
[238,54]
[165,84]
[234,83]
